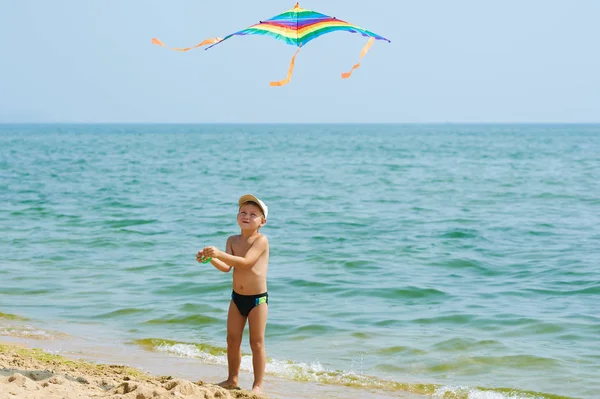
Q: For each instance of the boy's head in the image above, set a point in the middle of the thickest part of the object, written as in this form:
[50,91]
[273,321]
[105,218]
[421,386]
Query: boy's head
[249,205]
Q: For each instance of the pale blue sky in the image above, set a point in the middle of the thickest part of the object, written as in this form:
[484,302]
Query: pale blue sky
[449,61]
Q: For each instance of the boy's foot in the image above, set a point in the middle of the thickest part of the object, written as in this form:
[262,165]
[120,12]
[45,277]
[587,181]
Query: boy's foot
[256,389]
[227,384]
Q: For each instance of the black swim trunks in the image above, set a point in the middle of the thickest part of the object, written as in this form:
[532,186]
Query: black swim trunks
[245,303]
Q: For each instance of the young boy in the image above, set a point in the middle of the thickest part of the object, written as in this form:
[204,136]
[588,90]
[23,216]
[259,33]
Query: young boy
[248,255]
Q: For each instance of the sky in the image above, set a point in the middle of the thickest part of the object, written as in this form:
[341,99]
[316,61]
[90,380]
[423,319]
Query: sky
[461,61]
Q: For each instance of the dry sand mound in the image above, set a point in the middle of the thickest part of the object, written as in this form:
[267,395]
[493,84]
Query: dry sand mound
[33,374]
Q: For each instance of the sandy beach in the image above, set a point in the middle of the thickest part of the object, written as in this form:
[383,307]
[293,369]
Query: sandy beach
[34,374]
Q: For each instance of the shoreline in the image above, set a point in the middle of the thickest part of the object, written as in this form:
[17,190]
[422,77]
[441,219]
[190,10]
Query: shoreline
[112,374]
[167,375]
[76,343]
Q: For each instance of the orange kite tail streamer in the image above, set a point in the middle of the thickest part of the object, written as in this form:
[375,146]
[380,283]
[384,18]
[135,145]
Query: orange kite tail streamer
[346,75]
[289,75]
[204,43]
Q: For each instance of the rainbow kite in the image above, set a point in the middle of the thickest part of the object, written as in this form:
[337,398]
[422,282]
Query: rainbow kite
[296,27]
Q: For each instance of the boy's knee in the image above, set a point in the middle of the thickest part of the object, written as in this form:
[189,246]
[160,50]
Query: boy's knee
[234,340]
[257,344]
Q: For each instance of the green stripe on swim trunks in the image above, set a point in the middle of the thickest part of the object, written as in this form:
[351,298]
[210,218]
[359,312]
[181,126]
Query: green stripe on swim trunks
[262,299]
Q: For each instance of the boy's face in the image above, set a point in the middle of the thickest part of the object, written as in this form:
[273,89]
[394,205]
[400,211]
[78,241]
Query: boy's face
[250,216]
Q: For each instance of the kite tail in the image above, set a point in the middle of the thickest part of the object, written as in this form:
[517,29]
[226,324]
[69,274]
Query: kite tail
[346,75]
[204,43]
[289,75]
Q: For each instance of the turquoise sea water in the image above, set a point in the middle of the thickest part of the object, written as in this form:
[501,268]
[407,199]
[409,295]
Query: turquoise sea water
[453,261]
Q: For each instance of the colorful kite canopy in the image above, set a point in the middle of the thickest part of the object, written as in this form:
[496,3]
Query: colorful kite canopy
[296,27]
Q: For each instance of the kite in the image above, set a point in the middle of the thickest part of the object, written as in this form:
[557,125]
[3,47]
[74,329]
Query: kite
[295,27]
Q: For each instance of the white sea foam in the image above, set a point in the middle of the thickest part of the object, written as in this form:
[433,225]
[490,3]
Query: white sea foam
[26,331]
[310,372]
[474,393]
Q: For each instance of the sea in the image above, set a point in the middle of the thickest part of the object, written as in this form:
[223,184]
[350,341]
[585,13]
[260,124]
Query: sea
[406,261]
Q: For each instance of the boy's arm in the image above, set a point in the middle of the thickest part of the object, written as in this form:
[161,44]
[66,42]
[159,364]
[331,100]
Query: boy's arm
[219,264]
[247,261]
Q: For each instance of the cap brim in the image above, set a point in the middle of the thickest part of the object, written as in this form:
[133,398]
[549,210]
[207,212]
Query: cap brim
[249,197]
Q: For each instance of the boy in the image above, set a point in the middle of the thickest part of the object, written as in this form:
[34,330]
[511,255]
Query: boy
[248,255]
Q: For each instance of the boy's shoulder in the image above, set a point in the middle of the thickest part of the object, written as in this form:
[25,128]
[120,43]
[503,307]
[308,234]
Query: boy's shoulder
[261,241]
[264,238]
[261,236]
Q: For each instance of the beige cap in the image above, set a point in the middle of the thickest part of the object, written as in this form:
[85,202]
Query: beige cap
[249,197]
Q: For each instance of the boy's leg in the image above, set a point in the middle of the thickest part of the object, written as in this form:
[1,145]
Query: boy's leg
[235,330]
[257,320]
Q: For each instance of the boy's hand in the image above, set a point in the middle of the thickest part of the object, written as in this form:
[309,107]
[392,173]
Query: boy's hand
[211,252]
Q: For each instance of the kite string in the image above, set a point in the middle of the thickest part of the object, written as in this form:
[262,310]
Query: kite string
[364,51]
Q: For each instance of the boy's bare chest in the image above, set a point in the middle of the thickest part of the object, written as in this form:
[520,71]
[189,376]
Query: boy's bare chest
[241,247]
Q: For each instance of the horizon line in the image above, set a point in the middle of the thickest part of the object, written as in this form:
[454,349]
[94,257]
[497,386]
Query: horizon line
[300,123]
